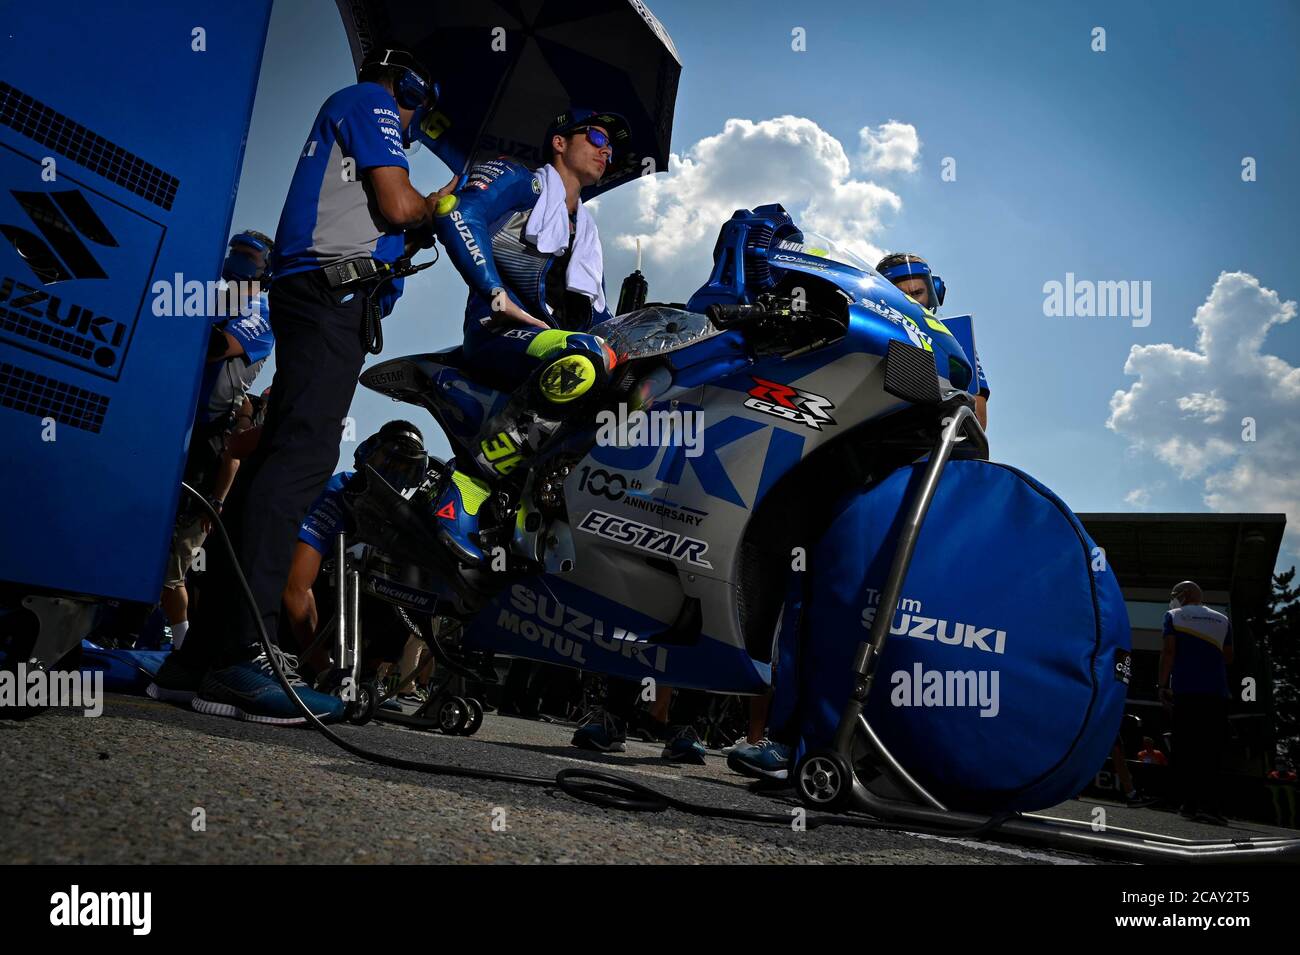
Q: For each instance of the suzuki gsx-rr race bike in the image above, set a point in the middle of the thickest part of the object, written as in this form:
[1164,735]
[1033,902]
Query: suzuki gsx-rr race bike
[795,417]
[803,372]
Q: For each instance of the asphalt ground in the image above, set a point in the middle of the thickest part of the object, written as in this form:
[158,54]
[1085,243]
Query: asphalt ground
[148,782]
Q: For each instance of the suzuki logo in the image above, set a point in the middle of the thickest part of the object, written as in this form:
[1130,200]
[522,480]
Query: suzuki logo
[62,218]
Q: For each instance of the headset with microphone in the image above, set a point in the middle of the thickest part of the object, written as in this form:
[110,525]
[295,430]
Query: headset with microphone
[413,88]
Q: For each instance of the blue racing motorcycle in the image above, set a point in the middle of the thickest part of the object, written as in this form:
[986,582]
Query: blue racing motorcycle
[744,411]
[744,498]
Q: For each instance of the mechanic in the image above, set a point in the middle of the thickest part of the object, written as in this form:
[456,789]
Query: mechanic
[396,451]
[912,276]
[238,346]
[348,215]
[527,315]
[1195,653]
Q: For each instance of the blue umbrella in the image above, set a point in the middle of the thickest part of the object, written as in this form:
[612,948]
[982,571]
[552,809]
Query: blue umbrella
[506,68]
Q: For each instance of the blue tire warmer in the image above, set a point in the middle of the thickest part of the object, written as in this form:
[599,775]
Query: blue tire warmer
[1003,680]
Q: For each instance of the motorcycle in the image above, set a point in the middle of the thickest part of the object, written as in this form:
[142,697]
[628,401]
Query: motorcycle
[657,544]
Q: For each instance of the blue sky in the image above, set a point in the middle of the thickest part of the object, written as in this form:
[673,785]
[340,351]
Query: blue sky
[1115,165]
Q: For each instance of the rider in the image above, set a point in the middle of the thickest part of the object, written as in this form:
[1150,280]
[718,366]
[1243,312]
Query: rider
[527,317]
[912,275]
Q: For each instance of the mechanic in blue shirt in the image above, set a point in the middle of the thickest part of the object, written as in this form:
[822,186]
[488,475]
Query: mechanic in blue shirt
[396,451]
[239,343]
[1194,657]
[530,253]
[912,276]
[349,211]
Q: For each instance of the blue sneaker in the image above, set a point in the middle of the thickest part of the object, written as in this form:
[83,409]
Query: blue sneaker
[601,732]
[457,512]
[250,691]
[685,747]
[765,760]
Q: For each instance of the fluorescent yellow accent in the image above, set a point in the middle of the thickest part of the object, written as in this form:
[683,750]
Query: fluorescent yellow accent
[508,465]
[551,340]
[446,204]
[473,492]
[818,252]
[567,379]
[937,325]
[434,124]
[925,339]
[497,447]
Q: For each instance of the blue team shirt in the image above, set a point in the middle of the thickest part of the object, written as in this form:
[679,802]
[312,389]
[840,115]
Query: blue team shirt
[1200,636]
[327,516]
[226,382]
[329,214]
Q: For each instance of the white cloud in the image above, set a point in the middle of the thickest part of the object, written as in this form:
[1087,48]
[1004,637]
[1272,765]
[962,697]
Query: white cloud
[891,147]
[788,159]
[1138,497]
[1190,407]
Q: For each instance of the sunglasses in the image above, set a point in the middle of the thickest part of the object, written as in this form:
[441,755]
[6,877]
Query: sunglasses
[597,137]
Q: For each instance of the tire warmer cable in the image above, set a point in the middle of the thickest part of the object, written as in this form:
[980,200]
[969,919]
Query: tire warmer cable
[601,789]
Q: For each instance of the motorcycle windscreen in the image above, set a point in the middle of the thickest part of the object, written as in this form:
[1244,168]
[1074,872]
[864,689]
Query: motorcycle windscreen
[1003,680]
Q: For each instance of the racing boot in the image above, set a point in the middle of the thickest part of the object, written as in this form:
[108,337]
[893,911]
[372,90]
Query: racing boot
[457,511]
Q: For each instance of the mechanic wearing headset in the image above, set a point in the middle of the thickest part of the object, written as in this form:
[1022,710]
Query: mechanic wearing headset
[349,204]
[530,253]
[911,275]
[396,451]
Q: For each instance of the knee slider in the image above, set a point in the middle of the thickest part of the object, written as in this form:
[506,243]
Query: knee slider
[574,364]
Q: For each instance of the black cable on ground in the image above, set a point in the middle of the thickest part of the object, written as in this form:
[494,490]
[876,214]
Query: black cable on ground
[597,788]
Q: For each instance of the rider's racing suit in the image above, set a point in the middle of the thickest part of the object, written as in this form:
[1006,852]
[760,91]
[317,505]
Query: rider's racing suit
[481,226]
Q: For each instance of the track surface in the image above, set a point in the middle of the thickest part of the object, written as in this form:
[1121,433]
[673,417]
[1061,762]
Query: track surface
[124,787]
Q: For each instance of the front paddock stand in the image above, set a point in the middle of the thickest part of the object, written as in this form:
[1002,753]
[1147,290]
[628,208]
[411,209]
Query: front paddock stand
[859,773]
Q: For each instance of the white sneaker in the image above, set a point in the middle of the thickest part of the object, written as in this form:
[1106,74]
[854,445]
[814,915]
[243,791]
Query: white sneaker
[741,744]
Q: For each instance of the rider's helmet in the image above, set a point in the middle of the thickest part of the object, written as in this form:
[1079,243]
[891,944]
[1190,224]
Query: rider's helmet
[912,275]
[247,259]
[396,451]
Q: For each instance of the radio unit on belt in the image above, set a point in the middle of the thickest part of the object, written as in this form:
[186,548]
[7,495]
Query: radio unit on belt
[370,274]
[355,271]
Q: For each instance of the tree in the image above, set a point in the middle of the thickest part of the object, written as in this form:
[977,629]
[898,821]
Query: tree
[1281,641]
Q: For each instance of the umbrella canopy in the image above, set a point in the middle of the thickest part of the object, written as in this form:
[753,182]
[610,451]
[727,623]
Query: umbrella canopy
[506,68]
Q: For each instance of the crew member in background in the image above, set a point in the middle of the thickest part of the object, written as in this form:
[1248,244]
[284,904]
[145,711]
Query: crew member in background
[530,253]
[1194,658]
[238,347]
[396,451]
[911,275]
[348,215]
